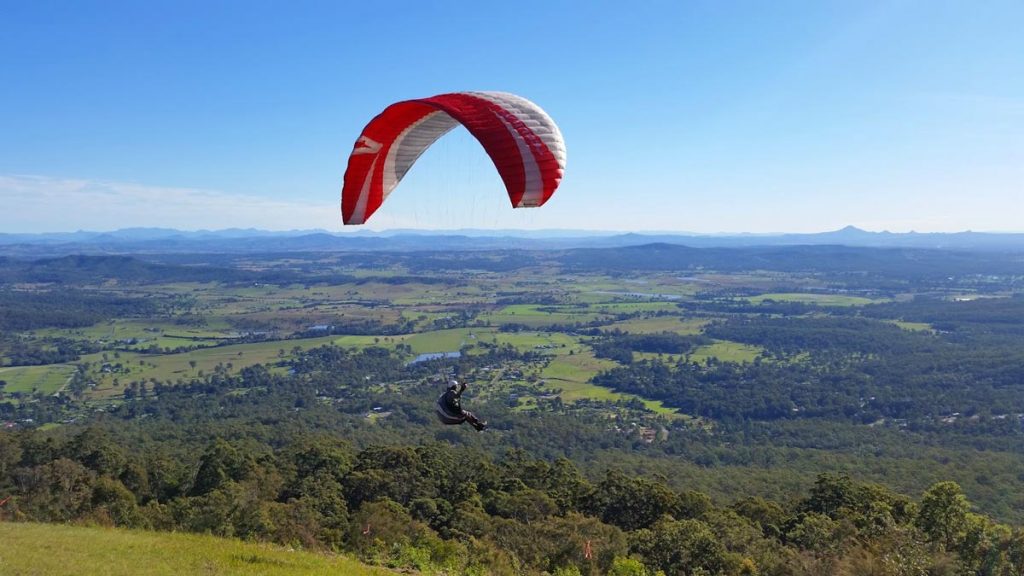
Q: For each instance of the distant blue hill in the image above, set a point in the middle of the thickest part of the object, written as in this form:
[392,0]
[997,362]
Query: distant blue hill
[163,240]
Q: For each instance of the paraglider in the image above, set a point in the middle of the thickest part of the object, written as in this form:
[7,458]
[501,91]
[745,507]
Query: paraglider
[449,408]
[524,143]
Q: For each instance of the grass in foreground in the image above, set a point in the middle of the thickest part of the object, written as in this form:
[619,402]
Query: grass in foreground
[43,549]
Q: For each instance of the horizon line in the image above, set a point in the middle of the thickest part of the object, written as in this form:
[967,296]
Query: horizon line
[502,231]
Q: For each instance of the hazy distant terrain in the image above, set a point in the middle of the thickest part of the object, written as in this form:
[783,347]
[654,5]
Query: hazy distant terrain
[159,240]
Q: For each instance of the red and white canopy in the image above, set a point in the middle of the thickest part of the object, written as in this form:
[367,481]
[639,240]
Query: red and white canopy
[522,140]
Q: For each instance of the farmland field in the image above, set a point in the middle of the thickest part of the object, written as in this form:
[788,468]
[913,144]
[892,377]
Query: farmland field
[726,351]
[820,299]
[46,379]
[657,324]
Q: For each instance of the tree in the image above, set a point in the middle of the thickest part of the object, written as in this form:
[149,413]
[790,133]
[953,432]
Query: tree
[627,567]
[58,491]
[112,499]
[96,450]
[632,503]
[10,455]
[943,514]
[220,464]
[830,494]
[681,547]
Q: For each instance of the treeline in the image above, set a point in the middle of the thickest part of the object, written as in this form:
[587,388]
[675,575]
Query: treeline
[15,351]
[980,316]
[854,266]
[924,386]
[792,335]
[437,508]
[81,269]
[620,346]
[67,308]
[90,270]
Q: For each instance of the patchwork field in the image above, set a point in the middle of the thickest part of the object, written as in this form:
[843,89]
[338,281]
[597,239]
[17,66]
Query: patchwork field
[208,316]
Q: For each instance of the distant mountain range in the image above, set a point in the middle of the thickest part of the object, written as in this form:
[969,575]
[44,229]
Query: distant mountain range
[162,240]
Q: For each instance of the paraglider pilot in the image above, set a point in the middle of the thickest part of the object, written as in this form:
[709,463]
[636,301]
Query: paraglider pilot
[449,407]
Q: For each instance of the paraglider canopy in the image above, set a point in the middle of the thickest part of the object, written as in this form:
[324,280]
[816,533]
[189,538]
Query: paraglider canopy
[522,140]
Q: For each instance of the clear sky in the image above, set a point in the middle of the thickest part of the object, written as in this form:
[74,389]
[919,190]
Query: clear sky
[709,116]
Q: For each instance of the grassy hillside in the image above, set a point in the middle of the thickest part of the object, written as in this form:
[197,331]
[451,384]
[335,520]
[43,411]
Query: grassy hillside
[44,549]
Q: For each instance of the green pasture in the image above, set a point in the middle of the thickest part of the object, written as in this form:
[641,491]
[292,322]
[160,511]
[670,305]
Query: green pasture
[46,379]
[170,367]
[184,288]
[290,292]
[428,294]
[531,315]
[298,319]
[631,307]
[453,339]
[573,373]
[40,549]
[819,299]
[546,342]
[424,318]
[362,341]
[726,351]
[174,342]
[914,326]
[659,324]
[162,332]
[445,340]
[378,273]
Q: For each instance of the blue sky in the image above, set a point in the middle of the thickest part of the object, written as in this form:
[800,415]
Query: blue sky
[678,116]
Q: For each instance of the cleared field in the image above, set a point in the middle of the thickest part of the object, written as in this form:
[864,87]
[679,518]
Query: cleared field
[726,351]
[455,338]
[628,307]
[423,294]
[46,379]
[162,332]
[819,299]
[659,324]
[31,549]
[301,318]
[445,340]
[572,375]
[547,342]
[531,315]
[365,341]
[170,367]
[914,326]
